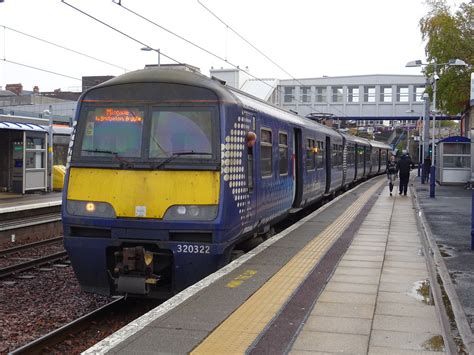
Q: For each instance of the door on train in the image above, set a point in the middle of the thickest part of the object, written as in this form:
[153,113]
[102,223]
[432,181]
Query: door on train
[328,165]
[251,147]
[297,168]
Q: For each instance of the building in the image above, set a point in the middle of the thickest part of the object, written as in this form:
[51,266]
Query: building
[367,99]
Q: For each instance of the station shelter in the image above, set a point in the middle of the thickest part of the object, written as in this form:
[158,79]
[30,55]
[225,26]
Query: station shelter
[453,165]
[24,158]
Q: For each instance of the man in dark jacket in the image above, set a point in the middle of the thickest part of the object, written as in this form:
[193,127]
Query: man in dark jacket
[426,169]
[404,165]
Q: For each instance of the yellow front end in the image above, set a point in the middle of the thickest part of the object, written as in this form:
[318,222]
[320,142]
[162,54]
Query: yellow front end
[143,193]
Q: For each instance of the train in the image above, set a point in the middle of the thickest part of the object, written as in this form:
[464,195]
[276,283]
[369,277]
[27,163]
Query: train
[170,174]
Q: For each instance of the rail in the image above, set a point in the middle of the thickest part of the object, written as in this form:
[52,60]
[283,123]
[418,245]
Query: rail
[13,269]
[18,248]
[60,334]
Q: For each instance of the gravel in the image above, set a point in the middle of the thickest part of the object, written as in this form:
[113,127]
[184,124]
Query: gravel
[31,308]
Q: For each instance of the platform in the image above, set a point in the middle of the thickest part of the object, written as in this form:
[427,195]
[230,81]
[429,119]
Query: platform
[351,277]
[10,202]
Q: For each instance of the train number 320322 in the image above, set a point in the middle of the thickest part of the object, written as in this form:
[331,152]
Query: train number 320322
[193,249]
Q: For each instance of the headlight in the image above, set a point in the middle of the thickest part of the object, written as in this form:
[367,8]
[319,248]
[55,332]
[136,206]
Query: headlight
[191,213]
[90,209]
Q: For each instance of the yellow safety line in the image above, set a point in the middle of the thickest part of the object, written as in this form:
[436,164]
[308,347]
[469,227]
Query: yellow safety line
[240,330]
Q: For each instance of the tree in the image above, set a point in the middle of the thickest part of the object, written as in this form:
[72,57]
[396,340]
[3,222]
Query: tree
[449,36]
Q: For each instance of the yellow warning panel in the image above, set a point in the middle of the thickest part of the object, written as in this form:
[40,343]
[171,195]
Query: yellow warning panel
[241,329]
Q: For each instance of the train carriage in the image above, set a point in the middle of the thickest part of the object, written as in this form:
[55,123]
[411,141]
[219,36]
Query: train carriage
[379,157]
[170,172]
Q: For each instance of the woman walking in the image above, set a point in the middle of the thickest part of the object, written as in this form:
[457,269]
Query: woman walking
[392,171]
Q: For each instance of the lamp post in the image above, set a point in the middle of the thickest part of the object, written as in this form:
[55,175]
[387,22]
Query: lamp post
[419,157]
[419,63]
[149,49]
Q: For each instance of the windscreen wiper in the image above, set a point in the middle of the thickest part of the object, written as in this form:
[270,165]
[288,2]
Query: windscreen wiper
[123,162]
[177,154]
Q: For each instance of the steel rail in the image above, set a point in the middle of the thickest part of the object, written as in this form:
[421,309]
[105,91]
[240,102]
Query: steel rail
[13,269]
[30,221]
[18,248]
[58,335]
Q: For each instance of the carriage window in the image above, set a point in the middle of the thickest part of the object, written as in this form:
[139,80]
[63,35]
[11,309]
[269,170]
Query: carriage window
[266,152]
[310,154]
[283,152]
[320,155]
[350,155]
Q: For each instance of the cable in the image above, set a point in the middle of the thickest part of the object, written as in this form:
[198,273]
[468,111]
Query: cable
[245,40]
[62,47]
[40,69]
[259,51]
[117,30]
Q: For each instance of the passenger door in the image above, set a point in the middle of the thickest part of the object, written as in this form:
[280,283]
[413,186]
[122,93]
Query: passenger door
[251,153]
[297,168]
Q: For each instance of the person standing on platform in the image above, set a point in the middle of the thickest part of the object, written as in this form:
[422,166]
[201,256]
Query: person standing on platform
[426,169]
[392,172]
[404,166]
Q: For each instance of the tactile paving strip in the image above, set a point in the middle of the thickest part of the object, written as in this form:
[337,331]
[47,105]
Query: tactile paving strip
[240,330]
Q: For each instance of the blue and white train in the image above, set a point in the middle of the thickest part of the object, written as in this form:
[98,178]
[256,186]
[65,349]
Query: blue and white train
[170,172]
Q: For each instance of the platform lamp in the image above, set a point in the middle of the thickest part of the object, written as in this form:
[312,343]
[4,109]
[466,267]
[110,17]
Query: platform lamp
[434,79]
[149,49]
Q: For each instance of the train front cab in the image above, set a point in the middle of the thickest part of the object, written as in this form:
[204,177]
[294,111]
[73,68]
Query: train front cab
[142,209]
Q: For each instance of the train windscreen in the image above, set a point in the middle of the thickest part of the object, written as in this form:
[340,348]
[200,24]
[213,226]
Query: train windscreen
[147,134]
[113,131]
[181,130]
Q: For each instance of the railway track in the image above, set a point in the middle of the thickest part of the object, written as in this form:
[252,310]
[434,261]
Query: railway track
[23,247]
[30,264]
[57,336]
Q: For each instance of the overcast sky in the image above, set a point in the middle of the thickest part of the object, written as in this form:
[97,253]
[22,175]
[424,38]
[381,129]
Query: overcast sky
[307,38]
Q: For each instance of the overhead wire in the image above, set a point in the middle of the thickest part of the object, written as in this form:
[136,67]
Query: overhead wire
[40,69]
[262,53]
[186,40]
[121,32]
[63,47]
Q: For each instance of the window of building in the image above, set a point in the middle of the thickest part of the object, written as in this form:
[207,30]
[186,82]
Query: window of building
[353,94]
[337,94]
[369,94]
[321,94]
[266,152]
[289,94]
[385,94]
[283,153]
[305,92]
[402,94]
[418,93]
[310,154]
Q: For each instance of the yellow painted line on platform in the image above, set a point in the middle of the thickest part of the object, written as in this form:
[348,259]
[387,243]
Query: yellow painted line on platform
[236,282]
[240,330]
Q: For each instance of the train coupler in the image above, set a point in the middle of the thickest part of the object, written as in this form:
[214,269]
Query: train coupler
[133,270]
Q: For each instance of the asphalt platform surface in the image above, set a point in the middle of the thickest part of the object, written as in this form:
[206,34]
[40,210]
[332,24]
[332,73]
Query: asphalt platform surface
[449,217]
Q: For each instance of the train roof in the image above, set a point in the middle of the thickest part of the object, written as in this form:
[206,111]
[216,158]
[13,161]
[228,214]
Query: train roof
[175,76]
[377,144]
